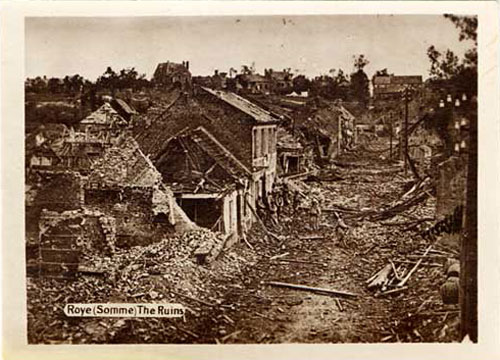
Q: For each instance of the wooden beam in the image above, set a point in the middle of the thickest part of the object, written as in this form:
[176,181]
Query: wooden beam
[309,288]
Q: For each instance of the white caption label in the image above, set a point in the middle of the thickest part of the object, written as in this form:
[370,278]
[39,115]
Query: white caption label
[124,310]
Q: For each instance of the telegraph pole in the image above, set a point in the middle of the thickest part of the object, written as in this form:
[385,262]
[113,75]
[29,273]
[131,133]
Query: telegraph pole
[390,135]
[406,96]
[468,251]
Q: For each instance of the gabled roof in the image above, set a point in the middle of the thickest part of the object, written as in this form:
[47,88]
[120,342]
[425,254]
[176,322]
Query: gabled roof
[255,78]
[280,75]
[257,113]
[218,152]
[323,119]
[195,161]
[125,107]
[50,133]
[105,115]
[285,140]
[124,165]
[397,79]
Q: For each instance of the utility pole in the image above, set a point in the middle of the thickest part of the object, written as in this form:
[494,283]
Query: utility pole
[468,251]
[390,135]
[406,97]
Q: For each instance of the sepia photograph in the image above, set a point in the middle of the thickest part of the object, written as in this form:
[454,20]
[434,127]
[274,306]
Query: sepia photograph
[251,179]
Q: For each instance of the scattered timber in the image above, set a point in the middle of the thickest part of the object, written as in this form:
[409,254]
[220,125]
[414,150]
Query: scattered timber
[381,278]
[393,291]
[279,256]
[192,298]
[402,282]
[302,262]
[309,288]
[261,222]
[414,262]
[313,237]
[231,335]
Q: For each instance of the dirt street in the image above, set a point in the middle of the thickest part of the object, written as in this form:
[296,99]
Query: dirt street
[229,301]
[258,313]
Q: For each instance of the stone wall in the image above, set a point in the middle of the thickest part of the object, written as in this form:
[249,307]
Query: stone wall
[450,191]
[450,186]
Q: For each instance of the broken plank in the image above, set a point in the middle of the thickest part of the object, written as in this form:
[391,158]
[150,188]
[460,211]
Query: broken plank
[231,335]
[381,278]
[310,288]
[427,256]
[339,304]
[411,222]
[186,331]
[414,262]
[231,321]
[192,298]
[402,282]
[317,237]
[393,291]
[302,262]
[279,256]
[369,249]
[263,316]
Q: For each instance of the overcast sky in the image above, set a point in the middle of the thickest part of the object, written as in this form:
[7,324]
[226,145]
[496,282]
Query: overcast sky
[313,45]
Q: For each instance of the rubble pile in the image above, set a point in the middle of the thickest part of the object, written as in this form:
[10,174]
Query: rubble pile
[166,271]
[394,276]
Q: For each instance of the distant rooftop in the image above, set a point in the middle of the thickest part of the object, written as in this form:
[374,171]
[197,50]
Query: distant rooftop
[397,79]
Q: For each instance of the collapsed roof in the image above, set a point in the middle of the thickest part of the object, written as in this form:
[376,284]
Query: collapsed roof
[257,113]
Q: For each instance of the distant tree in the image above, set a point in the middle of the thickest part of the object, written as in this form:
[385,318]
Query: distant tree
[232,72]
[360,84]
[55,86]
[301,83]
[246,70]
[467,26]
[447,69]
[332,86]
[360,62]
[75,84]
[108,80]
[36,85]
[127,78]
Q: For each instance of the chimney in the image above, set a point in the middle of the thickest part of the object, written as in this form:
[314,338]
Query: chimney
[216,72]
[187,65]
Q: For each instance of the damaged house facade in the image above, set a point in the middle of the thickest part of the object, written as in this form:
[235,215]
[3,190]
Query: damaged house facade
[290,153]
[261,127]
[127,185]
[97,132]
[328,126]
[208,182]
[121,202]
[237,131]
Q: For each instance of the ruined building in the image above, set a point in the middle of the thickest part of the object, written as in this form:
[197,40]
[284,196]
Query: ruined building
[120,202]
[290,153]
[171,75]
[209,183]
[389,87]
[246,131]
[328,126]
